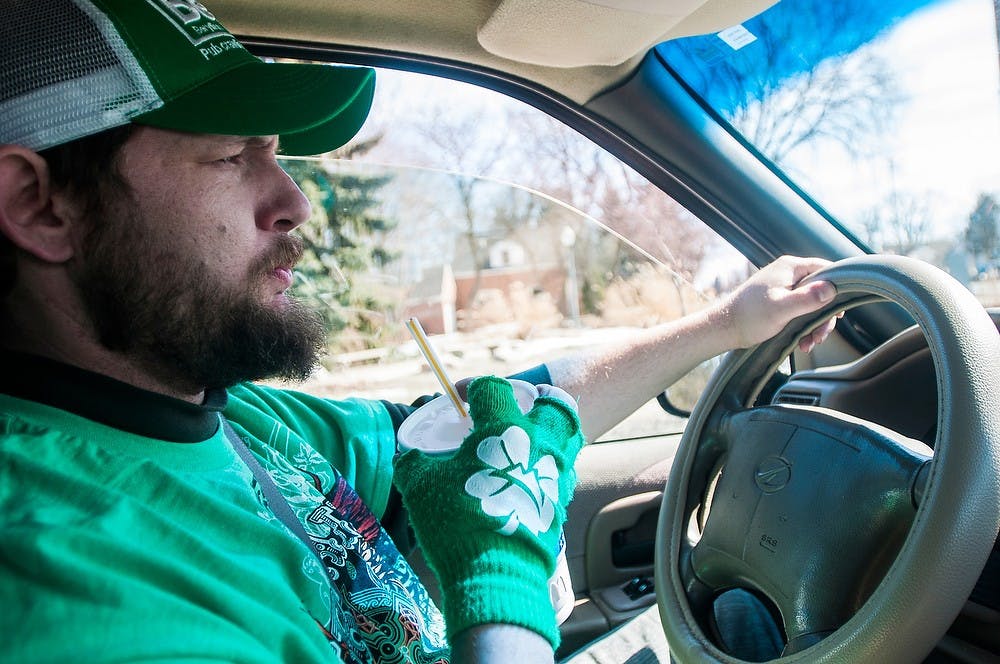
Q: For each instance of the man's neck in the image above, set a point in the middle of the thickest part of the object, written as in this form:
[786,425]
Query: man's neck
[110,364]
[75,346]
[116,404]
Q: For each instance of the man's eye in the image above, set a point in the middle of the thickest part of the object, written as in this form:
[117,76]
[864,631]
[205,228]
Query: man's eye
[231,159]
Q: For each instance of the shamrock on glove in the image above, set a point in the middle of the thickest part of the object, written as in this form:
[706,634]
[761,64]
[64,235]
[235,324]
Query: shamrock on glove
[513,487]
[489,516]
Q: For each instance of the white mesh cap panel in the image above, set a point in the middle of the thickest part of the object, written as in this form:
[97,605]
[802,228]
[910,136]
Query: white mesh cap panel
[67,74]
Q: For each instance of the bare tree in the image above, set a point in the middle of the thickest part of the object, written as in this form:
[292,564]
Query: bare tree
[557,160]
[781,98]
[900,224]
[458,142]
[476,146]
[847,100]
[582,174]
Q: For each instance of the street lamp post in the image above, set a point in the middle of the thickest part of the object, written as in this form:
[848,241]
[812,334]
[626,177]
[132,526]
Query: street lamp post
[568,240]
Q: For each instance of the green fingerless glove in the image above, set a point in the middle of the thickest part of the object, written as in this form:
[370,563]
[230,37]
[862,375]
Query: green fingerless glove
[489,517]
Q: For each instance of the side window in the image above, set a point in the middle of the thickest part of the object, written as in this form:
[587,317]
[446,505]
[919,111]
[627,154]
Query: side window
[508,235]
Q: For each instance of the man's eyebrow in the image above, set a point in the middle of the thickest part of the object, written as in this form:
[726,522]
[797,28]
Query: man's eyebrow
[245,141]
[262,141]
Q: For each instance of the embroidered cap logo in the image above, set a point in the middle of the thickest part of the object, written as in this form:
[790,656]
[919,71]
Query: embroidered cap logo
[198,25]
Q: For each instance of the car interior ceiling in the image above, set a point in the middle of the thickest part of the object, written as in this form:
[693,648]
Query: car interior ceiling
[509,36]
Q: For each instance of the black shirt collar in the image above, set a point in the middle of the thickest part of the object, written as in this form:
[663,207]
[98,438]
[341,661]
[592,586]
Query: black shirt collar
[109,401]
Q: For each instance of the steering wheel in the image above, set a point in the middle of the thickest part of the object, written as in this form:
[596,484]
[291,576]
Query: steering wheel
[867,542]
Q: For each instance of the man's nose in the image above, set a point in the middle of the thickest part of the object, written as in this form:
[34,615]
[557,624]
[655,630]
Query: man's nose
[285,207]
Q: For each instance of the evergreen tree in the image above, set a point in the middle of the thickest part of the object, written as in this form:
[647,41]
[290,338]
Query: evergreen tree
[343,243]
[982,236]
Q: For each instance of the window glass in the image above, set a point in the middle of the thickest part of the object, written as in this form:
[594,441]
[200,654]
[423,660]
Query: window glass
[510,237]
[886,112]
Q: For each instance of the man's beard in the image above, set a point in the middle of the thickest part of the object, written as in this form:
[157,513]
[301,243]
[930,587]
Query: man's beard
[162,308]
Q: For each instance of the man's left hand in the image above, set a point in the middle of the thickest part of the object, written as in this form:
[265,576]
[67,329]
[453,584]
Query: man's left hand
[765,304]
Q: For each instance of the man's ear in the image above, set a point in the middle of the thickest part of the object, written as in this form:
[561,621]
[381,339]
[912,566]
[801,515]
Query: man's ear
[27,215]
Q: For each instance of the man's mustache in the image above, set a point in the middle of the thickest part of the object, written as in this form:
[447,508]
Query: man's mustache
[286,253]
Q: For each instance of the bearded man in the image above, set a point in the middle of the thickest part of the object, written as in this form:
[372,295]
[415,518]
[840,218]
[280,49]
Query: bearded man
[156,503]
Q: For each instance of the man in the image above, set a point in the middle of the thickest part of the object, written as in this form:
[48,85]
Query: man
[154,502]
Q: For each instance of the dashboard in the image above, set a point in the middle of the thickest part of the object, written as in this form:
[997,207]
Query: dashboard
[894,385]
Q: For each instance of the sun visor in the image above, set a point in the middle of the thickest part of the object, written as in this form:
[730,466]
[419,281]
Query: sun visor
[578,33]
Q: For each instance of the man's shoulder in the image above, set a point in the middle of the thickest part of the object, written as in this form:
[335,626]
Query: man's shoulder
[357,437]
[289,406]
[336,428]
[24,422]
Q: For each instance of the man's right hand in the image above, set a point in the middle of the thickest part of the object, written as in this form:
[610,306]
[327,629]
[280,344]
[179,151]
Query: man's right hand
[489,517]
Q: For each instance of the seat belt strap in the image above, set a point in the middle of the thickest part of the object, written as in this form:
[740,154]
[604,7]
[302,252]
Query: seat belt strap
[276,501]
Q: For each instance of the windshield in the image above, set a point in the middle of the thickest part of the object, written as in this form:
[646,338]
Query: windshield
[885,112]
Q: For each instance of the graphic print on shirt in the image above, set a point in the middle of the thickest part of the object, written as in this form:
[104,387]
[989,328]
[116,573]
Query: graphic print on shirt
[334,548]
[380,610]
[396,618]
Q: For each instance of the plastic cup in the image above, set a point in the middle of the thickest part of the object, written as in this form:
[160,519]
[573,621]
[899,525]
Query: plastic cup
[437,428]
[560,586]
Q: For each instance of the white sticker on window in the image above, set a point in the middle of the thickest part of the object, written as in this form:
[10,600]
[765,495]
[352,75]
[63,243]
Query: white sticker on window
[737,37]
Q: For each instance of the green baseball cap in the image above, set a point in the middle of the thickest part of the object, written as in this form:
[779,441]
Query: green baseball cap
[71,68]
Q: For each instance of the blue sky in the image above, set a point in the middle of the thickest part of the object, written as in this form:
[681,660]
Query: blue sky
[804,31]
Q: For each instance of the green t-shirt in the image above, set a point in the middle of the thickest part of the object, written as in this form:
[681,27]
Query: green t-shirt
[118,545]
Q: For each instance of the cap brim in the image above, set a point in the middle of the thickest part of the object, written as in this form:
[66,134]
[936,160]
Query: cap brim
[313,108]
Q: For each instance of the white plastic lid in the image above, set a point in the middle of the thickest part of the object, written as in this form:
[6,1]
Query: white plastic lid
[437,428]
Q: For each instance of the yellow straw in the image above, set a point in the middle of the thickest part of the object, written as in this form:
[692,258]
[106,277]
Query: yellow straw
[424,344]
